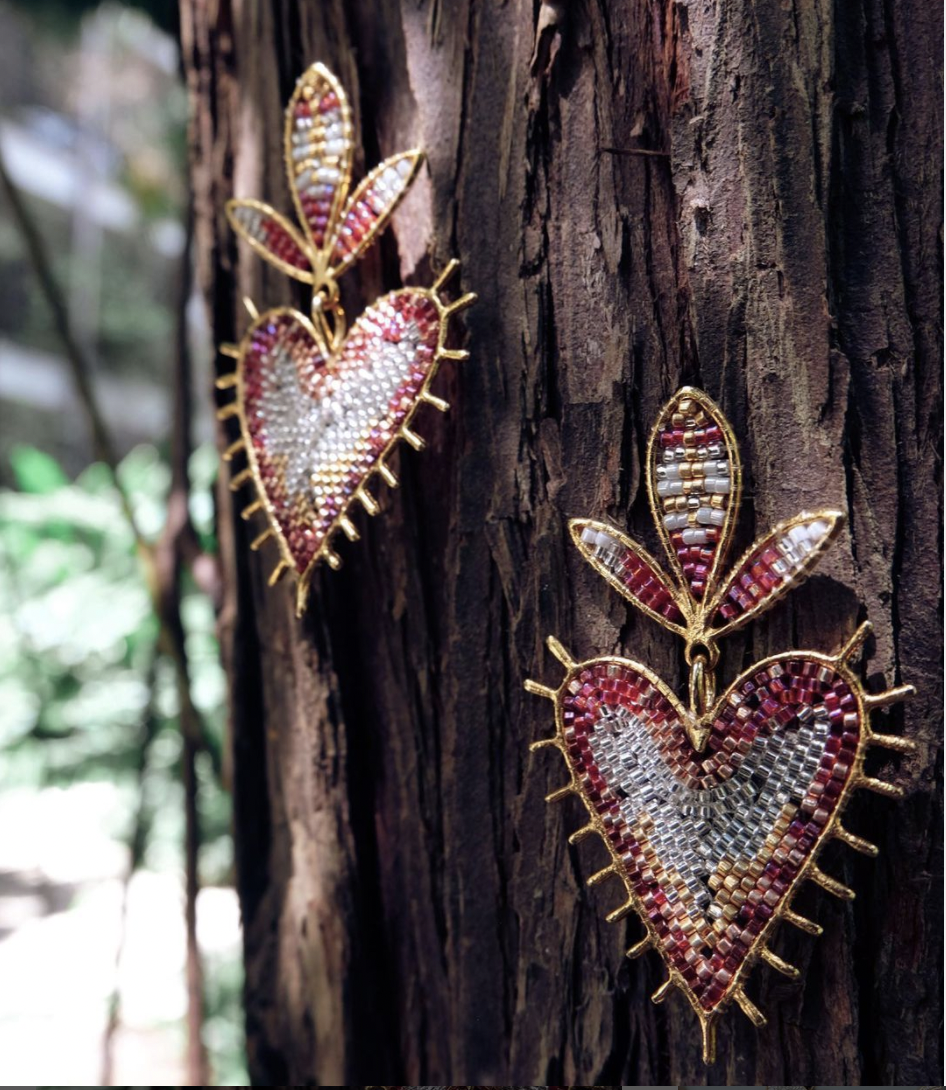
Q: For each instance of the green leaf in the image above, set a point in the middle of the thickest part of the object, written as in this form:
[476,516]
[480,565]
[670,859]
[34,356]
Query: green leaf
[36,471]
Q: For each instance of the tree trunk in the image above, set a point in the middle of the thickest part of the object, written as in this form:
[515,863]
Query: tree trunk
[741,196]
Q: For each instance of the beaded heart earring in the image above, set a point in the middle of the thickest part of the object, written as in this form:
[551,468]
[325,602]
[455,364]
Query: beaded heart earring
[713,814]
[320,407]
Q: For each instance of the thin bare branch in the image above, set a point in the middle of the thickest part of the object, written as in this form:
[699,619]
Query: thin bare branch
[78,361]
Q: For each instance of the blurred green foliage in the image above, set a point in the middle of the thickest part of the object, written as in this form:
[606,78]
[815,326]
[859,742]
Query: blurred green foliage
[62,16]
[84,694]
[79,676]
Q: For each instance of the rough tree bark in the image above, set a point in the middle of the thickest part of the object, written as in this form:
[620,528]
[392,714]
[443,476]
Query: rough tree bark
[740,195]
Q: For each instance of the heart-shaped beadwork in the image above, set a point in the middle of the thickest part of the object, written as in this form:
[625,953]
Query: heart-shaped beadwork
[713,814]
[317,424]
[320,411]
[712,845]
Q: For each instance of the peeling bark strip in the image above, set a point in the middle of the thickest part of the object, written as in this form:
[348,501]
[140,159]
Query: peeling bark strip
[741,195]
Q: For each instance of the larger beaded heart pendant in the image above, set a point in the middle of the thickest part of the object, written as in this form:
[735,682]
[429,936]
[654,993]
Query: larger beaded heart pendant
[713,812]
[321,407]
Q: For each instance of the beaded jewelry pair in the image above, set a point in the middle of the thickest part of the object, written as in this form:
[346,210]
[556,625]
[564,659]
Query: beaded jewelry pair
[713,813]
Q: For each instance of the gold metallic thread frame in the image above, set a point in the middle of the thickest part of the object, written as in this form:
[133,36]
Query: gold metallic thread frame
[682,502]
[336,227]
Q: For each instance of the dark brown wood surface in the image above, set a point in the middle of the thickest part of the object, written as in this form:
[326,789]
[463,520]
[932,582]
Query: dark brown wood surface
[745,196]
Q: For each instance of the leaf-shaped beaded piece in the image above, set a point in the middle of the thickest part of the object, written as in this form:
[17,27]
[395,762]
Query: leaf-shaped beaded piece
[273,237]
[319,141]
[772,566]
[371,205]
[337,227]
[694,479]
[631,570]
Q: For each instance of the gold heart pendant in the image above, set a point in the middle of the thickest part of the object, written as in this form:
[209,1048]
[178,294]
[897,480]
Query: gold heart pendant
[321,407]
[713,814]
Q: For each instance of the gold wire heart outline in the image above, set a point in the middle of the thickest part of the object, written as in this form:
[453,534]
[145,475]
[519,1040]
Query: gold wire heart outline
[342,522]
[702,653]
[809,871]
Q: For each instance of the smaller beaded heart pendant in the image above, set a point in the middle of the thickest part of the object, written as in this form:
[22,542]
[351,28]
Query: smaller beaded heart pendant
[713,813]
[320,407]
